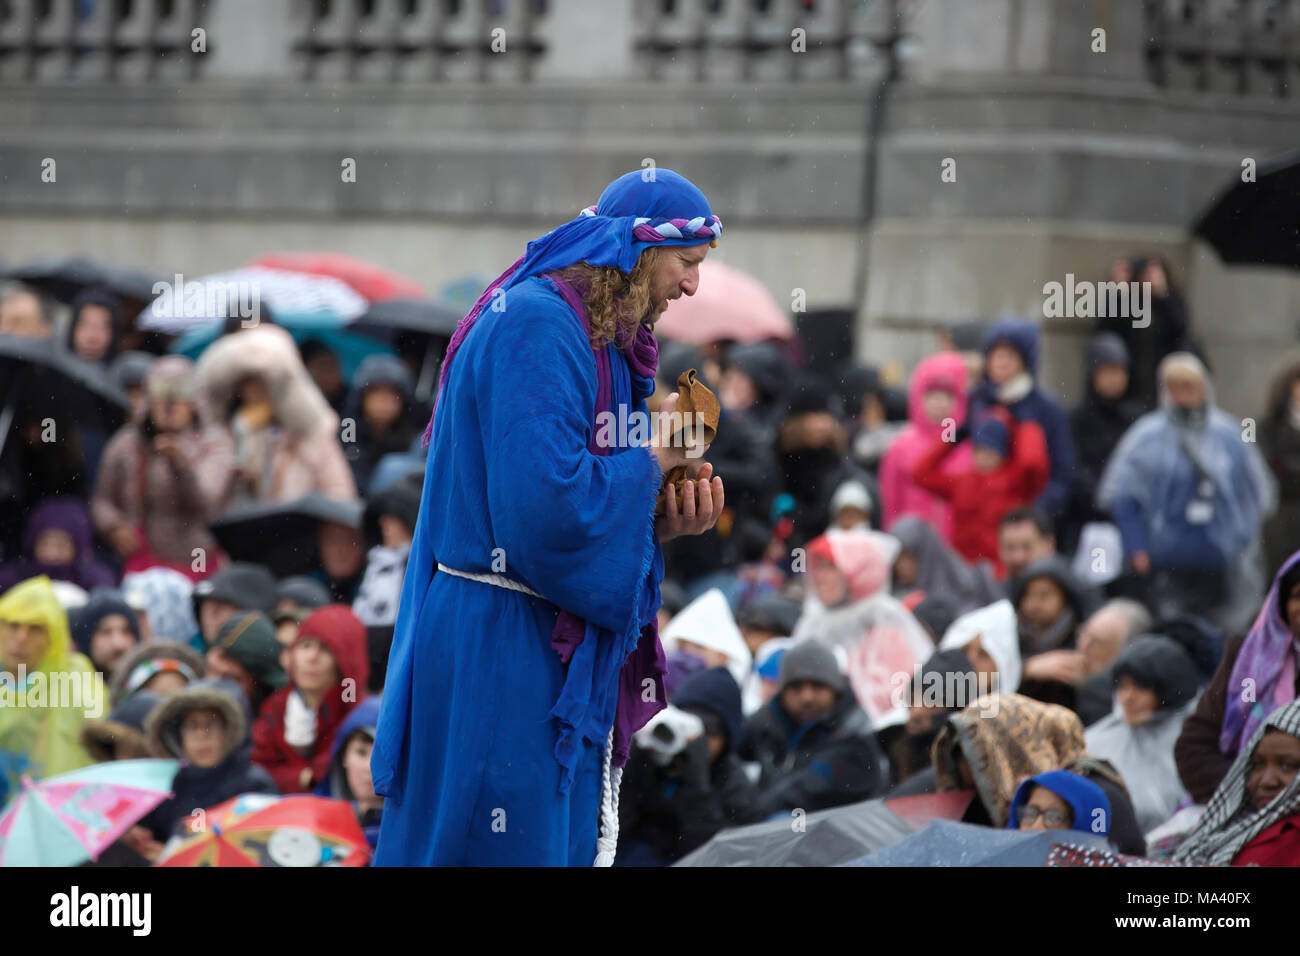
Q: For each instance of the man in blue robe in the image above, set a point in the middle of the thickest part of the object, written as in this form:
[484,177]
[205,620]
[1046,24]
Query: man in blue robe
[520,669]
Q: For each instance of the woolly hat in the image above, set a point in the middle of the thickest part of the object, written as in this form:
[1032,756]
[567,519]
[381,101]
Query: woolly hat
[139,665]
[811,661]
[250,640]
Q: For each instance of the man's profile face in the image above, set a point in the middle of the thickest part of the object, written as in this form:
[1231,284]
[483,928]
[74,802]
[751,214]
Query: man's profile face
[676,273]
[20,314]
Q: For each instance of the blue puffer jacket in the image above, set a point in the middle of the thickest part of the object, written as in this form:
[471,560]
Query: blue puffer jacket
[1038,406]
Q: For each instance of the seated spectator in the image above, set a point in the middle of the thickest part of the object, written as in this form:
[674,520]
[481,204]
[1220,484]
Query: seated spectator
[349,768]
[1060,800]
[380,406]
[295,598]
[1000,739]
[1050,604]
[238,587]
[203,727]
[1024,536]
[926,563]
[849,607]
[160,667]
[1009,468]
[284,433]
[1155,689]
[163,601]
[702,635]
[1101,639]
[674,799]
[815,745]
[247,652]
[987,637]
[946,683]
[294,733]
[57,544]
[40,740]
[105,629]
[26,314]
[120,735]
[936,400]
[1265,662]
[161,479]
[95,326]
[1254,815]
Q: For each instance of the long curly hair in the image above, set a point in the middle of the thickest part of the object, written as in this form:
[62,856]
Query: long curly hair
[616,301]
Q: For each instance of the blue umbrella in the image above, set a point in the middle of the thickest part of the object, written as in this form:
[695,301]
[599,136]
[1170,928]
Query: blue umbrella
[947,843]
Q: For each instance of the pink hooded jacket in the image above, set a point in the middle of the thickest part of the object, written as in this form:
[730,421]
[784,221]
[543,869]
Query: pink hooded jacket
[899,494]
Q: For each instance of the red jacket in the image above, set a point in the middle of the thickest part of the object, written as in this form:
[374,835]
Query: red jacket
[1279,845]
[980,500]
[339,630]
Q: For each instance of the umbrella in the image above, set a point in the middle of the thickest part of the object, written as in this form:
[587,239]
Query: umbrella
[948,843]
[282,535]
[207,303]
[729,304]
[67,819]
[261,830]
[828,837]
[370,281]
[430,327]
[64,279]
[43,378]
[1259,222]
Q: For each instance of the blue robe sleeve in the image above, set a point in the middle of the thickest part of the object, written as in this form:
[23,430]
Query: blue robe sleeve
[573,525]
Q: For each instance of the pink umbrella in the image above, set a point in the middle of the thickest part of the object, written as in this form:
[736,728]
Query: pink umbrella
[729,304]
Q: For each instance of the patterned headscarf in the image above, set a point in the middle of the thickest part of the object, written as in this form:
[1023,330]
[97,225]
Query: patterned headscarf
[1230,821]
[1006,738]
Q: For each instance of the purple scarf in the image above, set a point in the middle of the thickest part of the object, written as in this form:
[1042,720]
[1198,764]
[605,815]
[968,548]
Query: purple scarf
[647,660]
[1267,659]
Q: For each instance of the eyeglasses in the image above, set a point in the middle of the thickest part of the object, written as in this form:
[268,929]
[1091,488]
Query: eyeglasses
[1028,814]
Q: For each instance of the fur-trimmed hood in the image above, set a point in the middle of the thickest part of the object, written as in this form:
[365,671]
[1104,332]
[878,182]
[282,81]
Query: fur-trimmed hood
[163,726]
[270,353]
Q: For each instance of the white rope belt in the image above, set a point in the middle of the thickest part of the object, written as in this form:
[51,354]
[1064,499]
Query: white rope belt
[611,777]
[500,580]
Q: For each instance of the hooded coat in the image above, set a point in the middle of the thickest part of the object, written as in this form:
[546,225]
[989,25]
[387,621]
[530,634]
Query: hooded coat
[198,788]
[41,738]
[900,495]
[299,453]
[363,718]
[1144,754]
[369,446]
[337,628]
[1037,406]
[941,572]
[84,621]
[1088,802]
[170,500]
[995,626]
[58,514]
[1279,442]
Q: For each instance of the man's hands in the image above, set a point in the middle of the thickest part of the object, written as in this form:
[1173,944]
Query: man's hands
[1065,666]
[702,494]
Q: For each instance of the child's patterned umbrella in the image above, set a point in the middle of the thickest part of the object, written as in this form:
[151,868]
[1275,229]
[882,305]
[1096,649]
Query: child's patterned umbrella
[261,830]
[67,819]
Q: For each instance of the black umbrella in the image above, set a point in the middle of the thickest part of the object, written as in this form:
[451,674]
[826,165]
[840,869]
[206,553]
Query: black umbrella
[1259,222]
[41,379]
[64,279]
[282,535]
[433,323]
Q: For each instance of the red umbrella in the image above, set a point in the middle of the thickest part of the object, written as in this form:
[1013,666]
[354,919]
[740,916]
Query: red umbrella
[729,304]
[370,281]
[260,830]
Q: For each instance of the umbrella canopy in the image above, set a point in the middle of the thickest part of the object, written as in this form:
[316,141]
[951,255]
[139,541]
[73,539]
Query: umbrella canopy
[67,819]
[370,281]
[208,302]
[729,304]
[64,278]
[948,843]
[828,837]
[262,830]
[413,315]
[1259,222]
[282,535]
[39,379]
